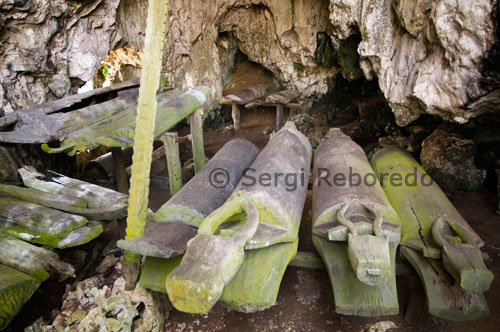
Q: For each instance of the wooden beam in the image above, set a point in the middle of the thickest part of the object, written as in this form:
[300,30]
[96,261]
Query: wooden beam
[143,141]
[196,123]
[235,113]
[279,117]
[171,146]
[120,170]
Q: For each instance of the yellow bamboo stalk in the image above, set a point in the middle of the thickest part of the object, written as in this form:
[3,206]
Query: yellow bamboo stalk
[143,142]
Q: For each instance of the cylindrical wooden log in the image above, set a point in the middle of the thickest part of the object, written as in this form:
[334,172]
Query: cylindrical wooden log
[355,229]
[279,117]
[167,235]
[171,146]
[196,123]
[235,113]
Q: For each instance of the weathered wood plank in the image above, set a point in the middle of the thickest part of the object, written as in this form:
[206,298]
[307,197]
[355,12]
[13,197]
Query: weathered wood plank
[445,298]
[81,235]
[308,260]
[171,146]
[210,262]
[16,288]
[279,117]
[235,114]
[256,285]
[120,172]
[35,223]
[155,272]
[196,123]
[41,197]
[36,262]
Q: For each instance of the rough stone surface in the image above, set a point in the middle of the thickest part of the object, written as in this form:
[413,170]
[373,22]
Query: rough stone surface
[449,160]
[426,55]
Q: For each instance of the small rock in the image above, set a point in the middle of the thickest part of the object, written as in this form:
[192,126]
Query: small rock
[449,160]
[382,326]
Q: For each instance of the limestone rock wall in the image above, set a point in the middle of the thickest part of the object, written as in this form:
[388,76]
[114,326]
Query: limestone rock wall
[426,55]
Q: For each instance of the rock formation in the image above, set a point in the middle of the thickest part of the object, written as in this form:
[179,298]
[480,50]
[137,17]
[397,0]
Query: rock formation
[427,55]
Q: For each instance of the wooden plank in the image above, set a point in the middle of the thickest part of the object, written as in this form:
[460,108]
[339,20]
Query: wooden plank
[155,272]
[210,262]
[41,198]
[279,117]
[16,289]
[35,261]
[355,229]
[120,172]
[308,260]
[35,223]
[445,298]
[256,285]
[171,146]
[82,235]
[196,123]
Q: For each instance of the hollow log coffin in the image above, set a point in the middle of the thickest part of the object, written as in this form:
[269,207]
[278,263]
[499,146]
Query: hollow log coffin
[175,223]
[34,261]
[246,95]
[355,228]
[282,97]
[279,212]
[16,288]
[437,235]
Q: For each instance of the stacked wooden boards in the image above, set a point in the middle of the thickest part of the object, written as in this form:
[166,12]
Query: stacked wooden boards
[436,240]
[56,212]
[355,229]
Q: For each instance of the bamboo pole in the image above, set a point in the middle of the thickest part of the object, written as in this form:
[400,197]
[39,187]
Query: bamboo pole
[196,123]
[143,143]
[171,145]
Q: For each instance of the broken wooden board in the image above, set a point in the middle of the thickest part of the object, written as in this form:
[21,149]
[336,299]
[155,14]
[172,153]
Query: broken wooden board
[210,262]
[256,285]
[246,95]
[118,130]
[419,202]
[35,223]
[41,198]
[161,239]
[155,272]
[35,261]
[82,235]
[445,298]
[16,288]
[353,297]
[280,199]
[282,97]
[210,188]
[103,203]
[355,229]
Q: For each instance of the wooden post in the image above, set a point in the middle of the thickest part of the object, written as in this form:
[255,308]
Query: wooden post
[236,116]
[279,117]
[143,142]
[120,172]
[196,123]
[171,146]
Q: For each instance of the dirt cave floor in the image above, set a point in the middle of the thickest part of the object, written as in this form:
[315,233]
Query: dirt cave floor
[305,300]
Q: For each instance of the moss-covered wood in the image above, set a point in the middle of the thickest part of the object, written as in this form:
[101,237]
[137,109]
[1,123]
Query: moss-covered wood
[355,229]
[35,261]
[103,203]
[445,298]
[210,261]
[155,272]
[35,223]
[171,145]
[256,285]
[196,123]
[202,195]
[146,129]
[16,288]
[41,198]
